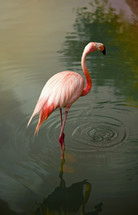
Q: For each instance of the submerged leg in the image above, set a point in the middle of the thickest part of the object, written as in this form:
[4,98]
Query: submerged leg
[61,137]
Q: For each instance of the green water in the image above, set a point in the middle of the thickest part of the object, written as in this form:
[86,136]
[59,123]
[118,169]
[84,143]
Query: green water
[100,173]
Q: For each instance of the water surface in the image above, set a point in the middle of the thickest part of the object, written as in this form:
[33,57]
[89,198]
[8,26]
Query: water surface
[100,173]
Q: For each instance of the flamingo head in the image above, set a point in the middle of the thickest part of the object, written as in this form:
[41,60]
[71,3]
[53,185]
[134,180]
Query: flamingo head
[93,46]
[101,47]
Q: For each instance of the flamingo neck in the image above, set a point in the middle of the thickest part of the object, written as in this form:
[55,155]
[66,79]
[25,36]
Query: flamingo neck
[88,87]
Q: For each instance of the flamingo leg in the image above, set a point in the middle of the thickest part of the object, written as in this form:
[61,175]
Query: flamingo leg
[62,135]
[61,116]
[61,121]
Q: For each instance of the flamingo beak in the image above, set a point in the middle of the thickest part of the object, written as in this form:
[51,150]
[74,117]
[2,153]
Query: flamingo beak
[104,50]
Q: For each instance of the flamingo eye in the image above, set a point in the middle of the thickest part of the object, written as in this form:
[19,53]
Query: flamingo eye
[96,45]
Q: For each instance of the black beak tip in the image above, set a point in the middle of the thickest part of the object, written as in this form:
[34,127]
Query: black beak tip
[104,51]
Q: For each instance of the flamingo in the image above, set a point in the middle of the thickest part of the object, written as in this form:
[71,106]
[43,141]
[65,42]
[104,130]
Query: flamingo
[62,90]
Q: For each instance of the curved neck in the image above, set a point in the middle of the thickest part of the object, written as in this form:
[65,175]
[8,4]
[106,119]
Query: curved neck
[88,87]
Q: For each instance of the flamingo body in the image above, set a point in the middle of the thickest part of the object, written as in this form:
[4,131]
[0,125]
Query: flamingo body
[62,90]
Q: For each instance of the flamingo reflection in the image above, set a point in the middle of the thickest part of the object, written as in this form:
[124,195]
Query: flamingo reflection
[68,200]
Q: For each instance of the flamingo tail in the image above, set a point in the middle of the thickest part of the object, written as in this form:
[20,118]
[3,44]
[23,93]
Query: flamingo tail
[45,112]
[30,120]
[38,107]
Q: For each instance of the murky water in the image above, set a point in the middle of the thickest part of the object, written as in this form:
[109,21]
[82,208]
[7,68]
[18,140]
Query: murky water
[100,175]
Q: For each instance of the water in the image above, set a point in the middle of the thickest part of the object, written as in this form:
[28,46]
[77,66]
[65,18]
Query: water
[100,173]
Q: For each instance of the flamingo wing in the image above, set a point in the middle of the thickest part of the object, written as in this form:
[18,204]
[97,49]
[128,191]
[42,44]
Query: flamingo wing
[61,90]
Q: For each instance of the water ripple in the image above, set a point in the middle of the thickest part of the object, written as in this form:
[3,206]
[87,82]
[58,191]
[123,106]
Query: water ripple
[86,133]
[98,133]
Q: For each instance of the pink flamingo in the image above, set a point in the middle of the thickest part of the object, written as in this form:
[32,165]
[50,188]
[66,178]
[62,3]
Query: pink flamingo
[62,90]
